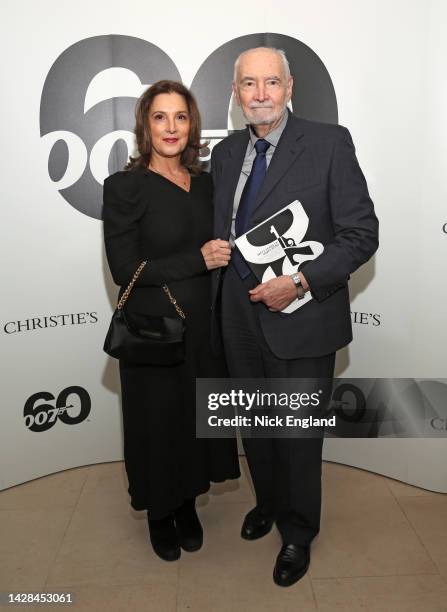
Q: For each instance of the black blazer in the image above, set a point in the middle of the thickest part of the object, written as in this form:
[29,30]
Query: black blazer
[314,163]
[146,217]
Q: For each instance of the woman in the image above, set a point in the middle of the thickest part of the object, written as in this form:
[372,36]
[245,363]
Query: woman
[160,209]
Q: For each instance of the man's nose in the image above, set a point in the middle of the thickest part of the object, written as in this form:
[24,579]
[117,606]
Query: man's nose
[260,92]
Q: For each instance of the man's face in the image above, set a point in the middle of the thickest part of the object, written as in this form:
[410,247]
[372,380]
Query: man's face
[261,87]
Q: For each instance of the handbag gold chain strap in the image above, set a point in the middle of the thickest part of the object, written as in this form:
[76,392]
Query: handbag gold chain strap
[165,288]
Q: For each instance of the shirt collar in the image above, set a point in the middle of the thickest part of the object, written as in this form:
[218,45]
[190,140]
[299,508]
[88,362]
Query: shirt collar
[273,136]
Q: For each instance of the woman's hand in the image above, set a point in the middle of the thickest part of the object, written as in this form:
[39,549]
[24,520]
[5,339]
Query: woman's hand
[216,253]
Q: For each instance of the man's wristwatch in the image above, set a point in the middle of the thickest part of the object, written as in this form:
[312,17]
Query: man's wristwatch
[299,287]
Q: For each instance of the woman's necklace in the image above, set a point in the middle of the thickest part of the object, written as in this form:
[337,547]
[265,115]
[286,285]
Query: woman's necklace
[181,182]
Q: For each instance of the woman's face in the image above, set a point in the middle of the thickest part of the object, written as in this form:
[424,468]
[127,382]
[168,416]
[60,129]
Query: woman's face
[169,124]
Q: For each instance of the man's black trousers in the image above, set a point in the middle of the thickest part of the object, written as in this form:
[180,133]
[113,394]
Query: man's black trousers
[286,472]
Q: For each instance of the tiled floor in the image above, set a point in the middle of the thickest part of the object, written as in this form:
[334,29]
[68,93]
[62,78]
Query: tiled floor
[382,547]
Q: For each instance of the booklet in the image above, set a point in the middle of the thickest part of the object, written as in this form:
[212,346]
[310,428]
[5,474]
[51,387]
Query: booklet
[275,247]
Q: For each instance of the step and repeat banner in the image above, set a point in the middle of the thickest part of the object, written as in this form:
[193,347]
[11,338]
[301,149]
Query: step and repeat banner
[72,74]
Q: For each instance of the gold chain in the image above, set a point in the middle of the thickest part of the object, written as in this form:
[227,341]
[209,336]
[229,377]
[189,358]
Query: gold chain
[126,293]
[174,302]
[165,288]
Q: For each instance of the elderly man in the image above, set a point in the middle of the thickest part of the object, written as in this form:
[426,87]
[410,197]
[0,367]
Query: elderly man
[280,158]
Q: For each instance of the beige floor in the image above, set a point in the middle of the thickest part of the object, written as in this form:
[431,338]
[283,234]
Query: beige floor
[382,547]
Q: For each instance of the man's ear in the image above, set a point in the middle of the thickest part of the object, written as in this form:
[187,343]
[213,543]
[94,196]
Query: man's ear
[236,93]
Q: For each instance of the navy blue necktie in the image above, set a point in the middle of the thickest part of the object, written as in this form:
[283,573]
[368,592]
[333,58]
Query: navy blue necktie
[247,201]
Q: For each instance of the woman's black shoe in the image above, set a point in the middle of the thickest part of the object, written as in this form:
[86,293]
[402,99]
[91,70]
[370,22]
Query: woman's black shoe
[164,540]
[189,529]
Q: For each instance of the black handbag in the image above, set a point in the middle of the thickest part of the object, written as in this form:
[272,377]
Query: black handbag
[146,339]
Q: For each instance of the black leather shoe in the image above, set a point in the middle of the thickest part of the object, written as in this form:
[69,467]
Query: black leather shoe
[291,565]
[164,540]
[189,529]
[255,525]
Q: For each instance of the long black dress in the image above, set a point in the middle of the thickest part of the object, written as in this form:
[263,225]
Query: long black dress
[148,217]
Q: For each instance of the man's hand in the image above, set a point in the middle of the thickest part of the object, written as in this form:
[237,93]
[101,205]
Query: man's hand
[277,293]
[216,253]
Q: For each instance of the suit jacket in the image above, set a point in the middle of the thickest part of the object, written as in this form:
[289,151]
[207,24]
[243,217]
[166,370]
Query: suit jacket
[314,163]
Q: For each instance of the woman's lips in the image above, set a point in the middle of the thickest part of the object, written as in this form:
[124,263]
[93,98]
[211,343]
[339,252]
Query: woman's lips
[170,140]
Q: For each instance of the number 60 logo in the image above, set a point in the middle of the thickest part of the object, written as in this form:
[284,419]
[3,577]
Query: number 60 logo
[72,406]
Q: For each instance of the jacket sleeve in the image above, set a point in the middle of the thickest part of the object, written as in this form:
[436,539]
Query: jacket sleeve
[122,212]
[355,223]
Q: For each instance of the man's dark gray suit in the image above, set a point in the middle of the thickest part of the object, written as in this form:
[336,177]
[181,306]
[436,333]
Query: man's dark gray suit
[314,163]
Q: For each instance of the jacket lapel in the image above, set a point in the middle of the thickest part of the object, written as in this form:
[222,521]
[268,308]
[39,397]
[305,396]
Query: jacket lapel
[290,147]
[231,170]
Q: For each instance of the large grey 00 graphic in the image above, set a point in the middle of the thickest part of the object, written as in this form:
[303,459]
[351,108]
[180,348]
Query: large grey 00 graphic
[71,102]
[89,96]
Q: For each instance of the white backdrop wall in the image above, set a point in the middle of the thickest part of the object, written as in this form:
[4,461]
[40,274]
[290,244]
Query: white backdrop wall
[386,62]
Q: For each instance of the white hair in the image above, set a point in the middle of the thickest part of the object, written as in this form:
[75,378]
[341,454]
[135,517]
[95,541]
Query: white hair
[279,52]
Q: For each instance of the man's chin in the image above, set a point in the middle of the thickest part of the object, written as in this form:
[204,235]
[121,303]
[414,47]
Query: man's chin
[259,119]
[262,122]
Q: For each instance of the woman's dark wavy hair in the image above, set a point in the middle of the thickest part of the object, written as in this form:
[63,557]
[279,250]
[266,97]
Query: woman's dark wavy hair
[190,156]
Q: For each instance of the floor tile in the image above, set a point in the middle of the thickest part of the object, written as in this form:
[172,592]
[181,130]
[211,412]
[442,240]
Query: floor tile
[364,532]
[29,541]
[402,489]
[55,490]
[340,481]
[107,542]
[106,486]
[231,574]
[428,516]
[382,547]
[123,598]
[384,594]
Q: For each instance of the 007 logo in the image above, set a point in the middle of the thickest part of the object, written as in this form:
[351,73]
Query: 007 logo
[43,409]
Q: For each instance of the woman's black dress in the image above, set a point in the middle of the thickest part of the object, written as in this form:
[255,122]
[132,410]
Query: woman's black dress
[148,217]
